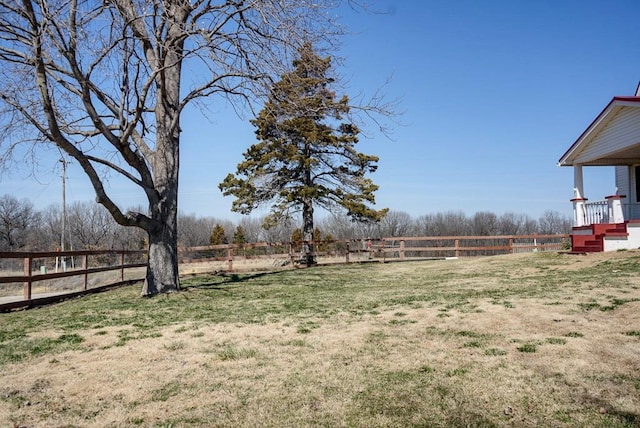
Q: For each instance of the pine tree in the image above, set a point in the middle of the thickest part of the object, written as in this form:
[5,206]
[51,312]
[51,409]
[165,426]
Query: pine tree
[305,155]
[218,235]
[238,236]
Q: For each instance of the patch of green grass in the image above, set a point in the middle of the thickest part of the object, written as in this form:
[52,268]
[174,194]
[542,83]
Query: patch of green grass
[174,346]
[402,322]
[457,372]
[494,352]
[307,327]
[296,342]
[635,333]
[467,333]
[528,348]
[589,306]
[574,334]
[396,394]
[166,391]
[556,340]
[19,349]
[231,353]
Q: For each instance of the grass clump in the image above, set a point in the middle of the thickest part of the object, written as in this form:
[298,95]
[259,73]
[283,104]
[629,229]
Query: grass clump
[528,348]
[231,353]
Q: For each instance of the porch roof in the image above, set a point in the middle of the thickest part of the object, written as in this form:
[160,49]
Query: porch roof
[613,138]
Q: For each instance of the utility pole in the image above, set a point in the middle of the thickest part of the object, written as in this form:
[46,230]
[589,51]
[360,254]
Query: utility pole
[64,211]
[64,215]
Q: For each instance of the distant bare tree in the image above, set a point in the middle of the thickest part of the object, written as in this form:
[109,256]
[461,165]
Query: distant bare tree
[194,231]
[553,222]
[514,224]
[253,230]
[339,226]
[50,228]
[17,219]
[281,232]
[484,223]
[450,223]
[394,223]
[90,226]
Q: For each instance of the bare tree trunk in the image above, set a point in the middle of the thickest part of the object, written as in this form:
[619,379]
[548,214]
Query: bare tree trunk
[307,233]
[162,265]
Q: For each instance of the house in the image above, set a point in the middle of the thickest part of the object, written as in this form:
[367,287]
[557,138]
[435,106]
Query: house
[612,139]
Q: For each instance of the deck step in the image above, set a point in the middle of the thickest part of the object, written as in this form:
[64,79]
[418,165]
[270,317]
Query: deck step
[588,249]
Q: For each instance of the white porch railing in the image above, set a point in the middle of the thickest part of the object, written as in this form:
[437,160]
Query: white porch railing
[600,212]
[596,212]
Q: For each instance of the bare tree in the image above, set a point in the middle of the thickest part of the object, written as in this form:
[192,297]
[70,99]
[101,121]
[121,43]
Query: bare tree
[339,226]
[514,224]
[49,228]
[450,223]
[103,81]
[484,223]
[395,223]
[554,222]
[194,231]
[90,226]
[17,220]
[253,230]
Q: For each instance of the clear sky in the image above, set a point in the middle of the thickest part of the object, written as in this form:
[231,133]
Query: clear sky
[492,93]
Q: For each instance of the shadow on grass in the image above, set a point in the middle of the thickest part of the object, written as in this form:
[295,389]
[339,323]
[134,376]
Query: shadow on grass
[227,278]
[627,418]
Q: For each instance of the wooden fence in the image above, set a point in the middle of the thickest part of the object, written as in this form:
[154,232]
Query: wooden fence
[36,268]
[36,265]
[379,249]
[457,246]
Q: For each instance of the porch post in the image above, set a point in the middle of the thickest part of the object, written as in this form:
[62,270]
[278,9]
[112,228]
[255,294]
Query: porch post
[578,183]
[614,203]
[579,201]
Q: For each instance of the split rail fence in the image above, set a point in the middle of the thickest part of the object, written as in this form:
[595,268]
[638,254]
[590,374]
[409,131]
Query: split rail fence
[27,279]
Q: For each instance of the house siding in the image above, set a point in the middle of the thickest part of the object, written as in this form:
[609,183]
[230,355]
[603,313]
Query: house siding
[623,182]
[625,133]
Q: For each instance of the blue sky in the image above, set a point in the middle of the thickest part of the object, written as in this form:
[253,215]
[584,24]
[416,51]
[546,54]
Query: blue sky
[492,94]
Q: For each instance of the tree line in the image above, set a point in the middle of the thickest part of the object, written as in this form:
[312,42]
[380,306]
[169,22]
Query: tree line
[90,226]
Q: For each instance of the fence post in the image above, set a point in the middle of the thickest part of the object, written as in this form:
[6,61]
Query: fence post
[85,267]
[402,249]
[384,253]
[348,250]
[230,258]
[510,245]
[122,265]
[293,259]
[27,273]
[456,243]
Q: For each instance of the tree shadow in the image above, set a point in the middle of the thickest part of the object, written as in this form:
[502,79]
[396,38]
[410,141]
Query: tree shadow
[627,418]
[228,278]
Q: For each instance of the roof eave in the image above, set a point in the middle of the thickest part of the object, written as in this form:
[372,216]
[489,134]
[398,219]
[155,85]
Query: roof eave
[616,102]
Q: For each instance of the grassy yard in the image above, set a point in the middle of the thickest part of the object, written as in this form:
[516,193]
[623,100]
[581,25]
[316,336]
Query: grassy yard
[519,340]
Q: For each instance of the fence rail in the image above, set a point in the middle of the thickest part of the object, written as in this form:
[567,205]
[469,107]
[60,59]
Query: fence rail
[31,275]
[286,253]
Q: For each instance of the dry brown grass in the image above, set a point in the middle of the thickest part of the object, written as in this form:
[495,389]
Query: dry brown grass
[453,360]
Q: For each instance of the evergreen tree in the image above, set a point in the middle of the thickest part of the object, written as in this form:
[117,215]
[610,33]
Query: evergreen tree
[238,236]
[306,154]
[218,235]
